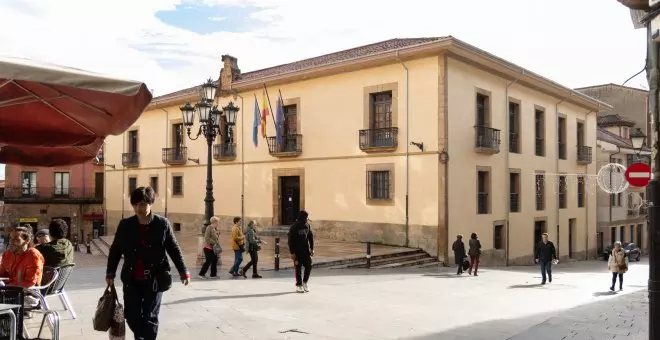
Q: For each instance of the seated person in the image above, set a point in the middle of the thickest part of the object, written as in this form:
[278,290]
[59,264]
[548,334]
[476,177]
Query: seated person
[22,264]
[59,251]
[42,236]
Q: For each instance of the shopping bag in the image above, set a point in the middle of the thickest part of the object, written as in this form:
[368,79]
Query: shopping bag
[105,309]
[118,324]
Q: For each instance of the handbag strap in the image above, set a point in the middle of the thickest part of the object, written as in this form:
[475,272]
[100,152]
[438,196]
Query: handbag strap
[113,291]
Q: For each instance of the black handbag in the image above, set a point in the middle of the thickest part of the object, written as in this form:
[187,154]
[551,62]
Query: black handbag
[163,281]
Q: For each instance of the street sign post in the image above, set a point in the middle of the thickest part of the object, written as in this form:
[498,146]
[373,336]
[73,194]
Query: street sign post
[638,174]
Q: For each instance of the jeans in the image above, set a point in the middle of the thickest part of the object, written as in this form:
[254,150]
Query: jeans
[254,259]
[306,262]
[546,267]
[141,308]
[474,264]
[238,258]
[620,275]
[211,260]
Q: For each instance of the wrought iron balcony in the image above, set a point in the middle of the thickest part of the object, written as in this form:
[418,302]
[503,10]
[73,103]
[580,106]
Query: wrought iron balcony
[130,159]
[291,146]
[482,203]
[54,195]
[487,139]
[384,139]
[583,154]
[175,156]
[224,152]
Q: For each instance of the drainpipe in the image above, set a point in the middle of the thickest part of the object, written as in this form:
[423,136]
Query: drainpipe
[507,179]
[557,169]
[167,136]
[407,152]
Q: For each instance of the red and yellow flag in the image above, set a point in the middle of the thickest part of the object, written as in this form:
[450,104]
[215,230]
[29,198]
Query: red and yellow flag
[264,114]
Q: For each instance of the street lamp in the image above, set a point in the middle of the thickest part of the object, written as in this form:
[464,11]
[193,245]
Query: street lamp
[638,139]
[209,127]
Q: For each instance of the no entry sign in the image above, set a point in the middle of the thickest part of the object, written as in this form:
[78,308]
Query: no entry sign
[638,174]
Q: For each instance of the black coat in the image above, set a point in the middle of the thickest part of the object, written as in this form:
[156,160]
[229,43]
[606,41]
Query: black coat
[459,251]
[301,239]
[545,252]
[159,241]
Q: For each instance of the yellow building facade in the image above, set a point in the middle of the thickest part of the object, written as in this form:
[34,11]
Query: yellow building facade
[403,142]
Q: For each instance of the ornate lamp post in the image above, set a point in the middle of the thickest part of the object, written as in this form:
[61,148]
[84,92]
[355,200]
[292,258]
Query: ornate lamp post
[209,127]
[638,139]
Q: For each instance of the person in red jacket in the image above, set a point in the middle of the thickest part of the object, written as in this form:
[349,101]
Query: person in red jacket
[21,264]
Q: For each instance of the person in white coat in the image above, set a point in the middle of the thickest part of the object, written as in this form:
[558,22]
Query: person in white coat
[618,264]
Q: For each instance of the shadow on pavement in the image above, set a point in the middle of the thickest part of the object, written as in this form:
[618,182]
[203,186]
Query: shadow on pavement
[446,276]
[607,293]
[226,297]
[532,285]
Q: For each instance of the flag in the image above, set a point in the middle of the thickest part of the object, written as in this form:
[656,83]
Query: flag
[264,114]
[257,120]
[279,119]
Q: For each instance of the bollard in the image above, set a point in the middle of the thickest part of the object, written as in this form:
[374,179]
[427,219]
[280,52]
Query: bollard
[89,248]
[277,254]
[368,255]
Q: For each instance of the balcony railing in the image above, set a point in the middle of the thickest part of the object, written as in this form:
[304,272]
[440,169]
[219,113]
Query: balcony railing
[583,154]
[224,152]
[384,139]
[291,146]
[513,143]
[130,159]
[482,203]
[539,146]
[175,156]
[487,139]
[561,150]
[514,202]
[63,195]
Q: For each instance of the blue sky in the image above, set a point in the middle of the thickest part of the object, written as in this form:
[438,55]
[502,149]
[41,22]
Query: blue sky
[174,44]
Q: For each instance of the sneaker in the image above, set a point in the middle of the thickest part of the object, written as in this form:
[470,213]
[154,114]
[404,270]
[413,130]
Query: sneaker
[203,277]
[243,273]
[305,288]
[612,288]
[256,276]
[550,279]
[300,289]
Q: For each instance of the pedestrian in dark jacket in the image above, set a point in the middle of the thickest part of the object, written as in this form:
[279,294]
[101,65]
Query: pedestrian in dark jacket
[459,253]
[144,240]
[58,251]
[475,253]
[301,247]
[544,255]
[254,246]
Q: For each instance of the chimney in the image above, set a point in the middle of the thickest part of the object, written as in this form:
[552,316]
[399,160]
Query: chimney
[229,72]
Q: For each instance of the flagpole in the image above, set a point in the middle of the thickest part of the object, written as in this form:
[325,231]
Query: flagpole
[271,107]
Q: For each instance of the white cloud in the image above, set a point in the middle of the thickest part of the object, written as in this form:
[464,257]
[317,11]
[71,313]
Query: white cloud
[124,38]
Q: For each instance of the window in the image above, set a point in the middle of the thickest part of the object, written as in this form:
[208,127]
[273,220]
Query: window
[153,183]
[540,192]
[133,141]
[514,192]
[132,184]
[632,233]
[580,134]
[28,183]
[514,127]
[619,199]
[482,110]
[613,235]
[580,192]
[539,132]
[290,124]
[483,189]
[381,110]
[561,196]
[177,135]
[561,140]
[622,233]
[177,185]
[625,132]
[62,182]
[176,226]
[498,237]
[378,185]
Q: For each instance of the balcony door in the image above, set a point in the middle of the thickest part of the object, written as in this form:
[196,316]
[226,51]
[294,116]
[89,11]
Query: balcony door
[29,183]
[62,183]
[177,141]
[381,119]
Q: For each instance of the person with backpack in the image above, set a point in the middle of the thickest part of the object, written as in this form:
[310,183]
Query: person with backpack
[301,247]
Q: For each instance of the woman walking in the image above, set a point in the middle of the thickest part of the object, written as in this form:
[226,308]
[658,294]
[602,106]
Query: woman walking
[211,249]
[475,253]
[618,264]
[459,253]
[253,246]
[237,245]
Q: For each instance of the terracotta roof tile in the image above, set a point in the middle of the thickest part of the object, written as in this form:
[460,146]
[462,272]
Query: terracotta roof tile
[612,138]
[614,120]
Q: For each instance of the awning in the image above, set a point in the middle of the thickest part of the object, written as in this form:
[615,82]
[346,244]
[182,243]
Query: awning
[52,115]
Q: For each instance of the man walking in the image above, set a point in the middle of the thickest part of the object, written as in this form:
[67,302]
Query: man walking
[144,240]
[301,247]
[545,254]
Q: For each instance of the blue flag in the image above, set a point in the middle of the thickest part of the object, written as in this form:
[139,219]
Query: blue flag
[257,122]
[279,120]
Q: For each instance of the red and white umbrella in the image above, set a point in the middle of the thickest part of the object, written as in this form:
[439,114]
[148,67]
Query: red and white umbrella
[53,115]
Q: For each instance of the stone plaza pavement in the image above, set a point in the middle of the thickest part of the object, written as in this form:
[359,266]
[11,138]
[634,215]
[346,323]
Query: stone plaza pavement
[413,304]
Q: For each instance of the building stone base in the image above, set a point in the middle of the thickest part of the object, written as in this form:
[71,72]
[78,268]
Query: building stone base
[46,212]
